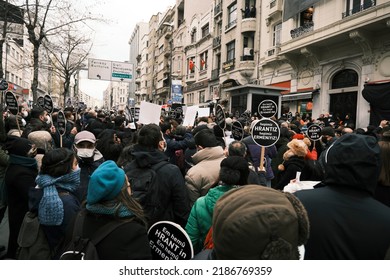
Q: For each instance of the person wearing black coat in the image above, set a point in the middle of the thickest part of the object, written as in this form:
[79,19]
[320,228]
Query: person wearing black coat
[346,221]
[173,195]
[110,199]
[19,180]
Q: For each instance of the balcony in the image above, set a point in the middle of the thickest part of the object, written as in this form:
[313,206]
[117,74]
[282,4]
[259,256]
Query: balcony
[190,78]
[272,52]
[138,80]
[301,30]
[366,5]
[247,66]
[228,65]
[217,41]
[248,25]
[275,7]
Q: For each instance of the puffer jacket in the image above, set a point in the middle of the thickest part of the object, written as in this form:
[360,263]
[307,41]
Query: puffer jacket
[204,173]
[200,219]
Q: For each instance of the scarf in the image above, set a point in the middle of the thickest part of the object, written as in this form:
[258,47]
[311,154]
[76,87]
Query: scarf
[110,208]
[51,208]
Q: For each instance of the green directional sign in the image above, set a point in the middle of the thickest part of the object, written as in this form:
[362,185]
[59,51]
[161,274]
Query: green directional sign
[121,76]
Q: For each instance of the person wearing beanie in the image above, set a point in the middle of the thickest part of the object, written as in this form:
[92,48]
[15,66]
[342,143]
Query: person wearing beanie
[258,223]
[54,197]
[346,221]
[233,173]
[19,180]
[294,161]
[43,142]
[110,198]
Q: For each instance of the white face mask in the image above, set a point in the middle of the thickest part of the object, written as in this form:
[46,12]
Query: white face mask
[25,114]
[48,120]
[24,122]
[85,153]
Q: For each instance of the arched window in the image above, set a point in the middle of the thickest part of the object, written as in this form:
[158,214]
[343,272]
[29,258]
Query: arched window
[345,78]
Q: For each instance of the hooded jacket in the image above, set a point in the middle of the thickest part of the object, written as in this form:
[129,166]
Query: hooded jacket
[172,192]
[346,221]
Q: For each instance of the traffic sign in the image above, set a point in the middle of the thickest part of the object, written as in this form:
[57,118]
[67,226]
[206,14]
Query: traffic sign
[106,70]
[267,108]
[265,132]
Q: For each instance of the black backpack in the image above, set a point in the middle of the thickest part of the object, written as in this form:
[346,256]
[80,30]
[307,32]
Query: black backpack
[145,187]
[82,248]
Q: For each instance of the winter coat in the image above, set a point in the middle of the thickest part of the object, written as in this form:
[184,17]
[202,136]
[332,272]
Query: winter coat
[87,168]
[346,222]
[127,242]
[19,180]
[291,166]
[255,150]
[201,216]
[172,192]
[35,125]
[204,173]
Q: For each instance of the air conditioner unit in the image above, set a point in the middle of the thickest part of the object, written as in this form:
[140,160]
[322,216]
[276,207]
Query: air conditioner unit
[248,51]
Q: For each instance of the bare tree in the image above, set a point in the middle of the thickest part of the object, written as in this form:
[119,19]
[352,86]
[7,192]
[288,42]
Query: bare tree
[68,54]
[46,18]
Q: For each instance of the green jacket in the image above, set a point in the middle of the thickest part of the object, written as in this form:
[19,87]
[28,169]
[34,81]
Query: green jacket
[201,216]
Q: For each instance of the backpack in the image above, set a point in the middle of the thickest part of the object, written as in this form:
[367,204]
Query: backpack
[32,241]
[84,248]
[145,185]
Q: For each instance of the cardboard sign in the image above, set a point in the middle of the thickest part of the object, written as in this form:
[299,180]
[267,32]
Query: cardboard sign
[265,132]
[237,131]
[149,113]
[190,116]
[267,108]
[220,117]
[169,241]
[313,132]
[12,103]
[61,123]
[48,104]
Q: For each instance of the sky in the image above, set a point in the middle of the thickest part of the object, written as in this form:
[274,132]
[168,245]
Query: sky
[110,40]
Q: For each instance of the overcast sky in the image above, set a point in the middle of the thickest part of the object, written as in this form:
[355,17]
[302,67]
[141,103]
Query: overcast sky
[111,40]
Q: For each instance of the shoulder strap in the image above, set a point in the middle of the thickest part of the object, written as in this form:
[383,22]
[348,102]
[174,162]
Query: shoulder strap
[101,233]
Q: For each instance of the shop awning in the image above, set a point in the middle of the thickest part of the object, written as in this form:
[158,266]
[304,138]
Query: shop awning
[297,96]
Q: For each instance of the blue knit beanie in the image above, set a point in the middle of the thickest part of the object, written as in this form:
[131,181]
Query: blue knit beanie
[105,183]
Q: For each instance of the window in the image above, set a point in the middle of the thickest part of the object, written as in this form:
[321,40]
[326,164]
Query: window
[191,65]
[202,96]
[203,60]
[355,6]
[230,50]
[277,34]
[193,36]
[205,30]
[232,15]
[306,17]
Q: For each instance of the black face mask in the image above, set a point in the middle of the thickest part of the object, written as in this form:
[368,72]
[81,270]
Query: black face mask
[324,139]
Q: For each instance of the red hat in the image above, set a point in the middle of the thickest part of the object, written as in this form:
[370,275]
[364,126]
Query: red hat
[298,136]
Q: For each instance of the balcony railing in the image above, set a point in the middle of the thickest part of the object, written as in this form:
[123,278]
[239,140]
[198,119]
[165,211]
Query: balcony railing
[299,31]
[217,41]
[215,74]
[247,57]
[231,24]
[228,65]
[357,9]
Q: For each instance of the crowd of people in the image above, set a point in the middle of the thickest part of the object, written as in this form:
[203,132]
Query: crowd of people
[325,199]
